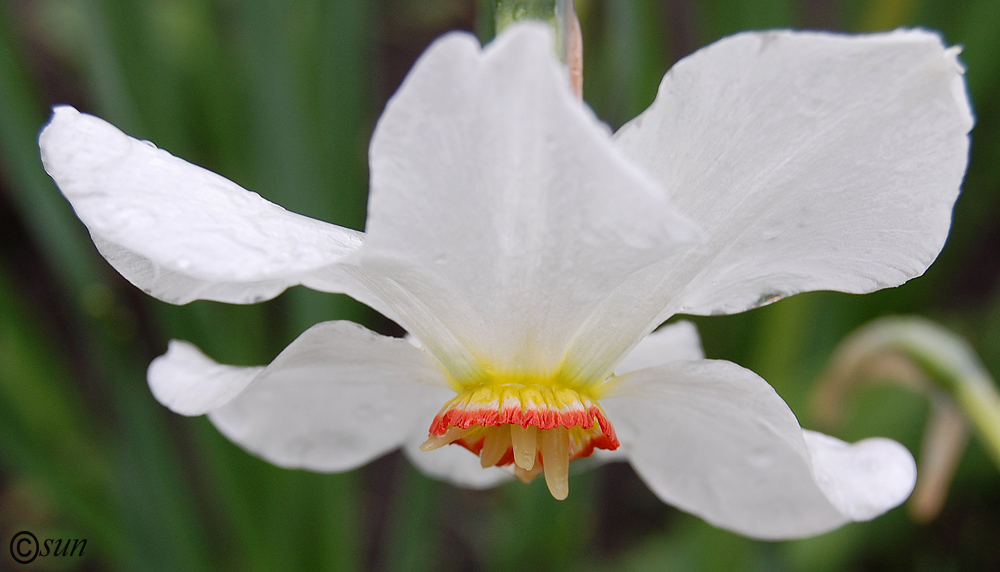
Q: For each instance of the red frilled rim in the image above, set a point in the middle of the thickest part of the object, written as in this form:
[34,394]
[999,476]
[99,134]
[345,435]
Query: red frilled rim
[588,424]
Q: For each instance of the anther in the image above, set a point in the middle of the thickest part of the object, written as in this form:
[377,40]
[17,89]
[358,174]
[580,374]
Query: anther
[495,445]
[524,440]
[527,476]
[438,441]
[555,457]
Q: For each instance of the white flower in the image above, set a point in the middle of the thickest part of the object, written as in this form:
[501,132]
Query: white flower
[530,254]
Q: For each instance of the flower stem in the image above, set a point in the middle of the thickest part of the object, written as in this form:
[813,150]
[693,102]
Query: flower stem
[946,360]
[561,15]
[510,11]
[941,365]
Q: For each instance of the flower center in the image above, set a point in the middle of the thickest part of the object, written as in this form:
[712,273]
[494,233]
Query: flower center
[536,427]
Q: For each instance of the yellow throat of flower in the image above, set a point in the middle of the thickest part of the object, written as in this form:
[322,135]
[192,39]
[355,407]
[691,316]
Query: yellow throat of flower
[536,426]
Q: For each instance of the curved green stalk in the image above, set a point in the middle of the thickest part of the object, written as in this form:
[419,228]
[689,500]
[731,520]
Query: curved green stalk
[944,359]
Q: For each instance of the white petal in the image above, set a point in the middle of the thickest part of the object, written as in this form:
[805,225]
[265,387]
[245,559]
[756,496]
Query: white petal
[181,232]
[500,204]
[673,342]
[864,478]
[335,398]
[714,439]
[815,161]
[190,383]
[454,464]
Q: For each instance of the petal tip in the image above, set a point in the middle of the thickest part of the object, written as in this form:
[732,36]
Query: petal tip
[74,142]
[188,382]
[865,479]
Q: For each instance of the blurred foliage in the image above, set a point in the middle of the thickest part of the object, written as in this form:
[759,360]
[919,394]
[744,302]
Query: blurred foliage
[282,98]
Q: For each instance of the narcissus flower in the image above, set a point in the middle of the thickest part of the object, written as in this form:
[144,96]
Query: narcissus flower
[530,253]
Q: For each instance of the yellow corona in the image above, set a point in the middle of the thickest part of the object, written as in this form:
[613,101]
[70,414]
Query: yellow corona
[536,427]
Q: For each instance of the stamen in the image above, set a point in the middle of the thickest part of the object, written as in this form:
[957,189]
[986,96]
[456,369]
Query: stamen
[438,441]
[527,476]
[524,440]
[495,445]
[527,428]
[555,457]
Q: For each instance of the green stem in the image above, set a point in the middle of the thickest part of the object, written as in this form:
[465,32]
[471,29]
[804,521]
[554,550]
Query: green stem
[561,15]
[510,11]
[948,360]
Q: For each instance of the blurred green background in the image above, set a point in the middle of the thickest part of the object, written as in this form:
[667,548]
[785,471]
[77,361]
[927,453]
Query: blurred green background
[282,96]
